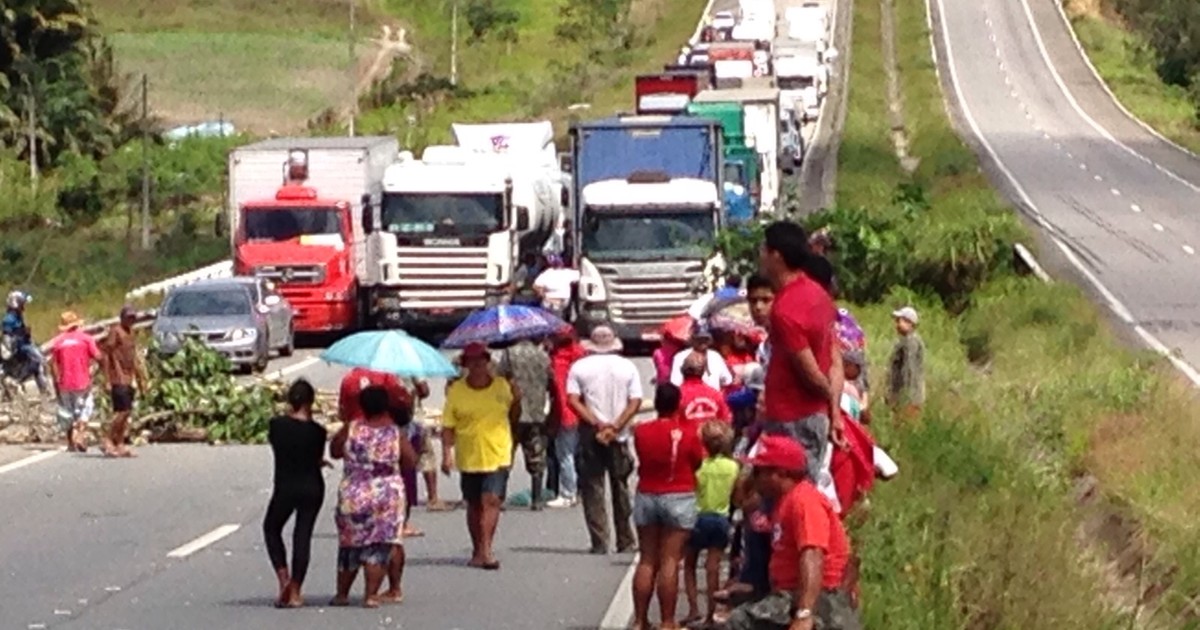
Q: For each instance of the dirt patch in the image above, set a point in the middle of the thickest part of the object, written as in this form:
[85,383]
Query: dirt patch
[895,99]
[1102,10]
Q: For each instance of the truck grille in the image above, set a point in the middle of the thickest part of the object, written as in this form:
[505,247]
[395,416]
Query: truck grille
[292,274]
[649,296]
[439,278]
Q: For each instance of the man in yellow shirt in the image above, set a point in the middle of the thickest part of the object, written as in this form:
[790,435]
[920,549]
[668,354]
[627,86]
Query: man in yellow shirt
[477,421]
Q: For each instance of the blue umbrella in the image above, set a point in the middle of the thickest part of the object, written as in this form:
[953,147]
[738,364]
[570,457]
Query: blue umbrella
[391,351]
[507,322]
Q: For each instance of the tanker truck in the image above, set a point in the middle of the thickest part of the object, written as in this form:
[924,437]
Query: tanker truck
[293,211]
[453,226]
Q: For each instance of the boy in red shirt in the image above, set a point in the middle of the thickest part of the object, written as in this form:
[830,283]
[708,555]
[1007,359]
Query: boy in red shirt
[700,402]
[809,551]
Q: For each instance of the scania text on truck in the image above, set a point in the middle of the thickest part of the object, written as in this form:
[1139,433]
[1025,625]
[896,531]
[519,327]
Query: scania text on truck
[647,198]
[453,226]
[294,208]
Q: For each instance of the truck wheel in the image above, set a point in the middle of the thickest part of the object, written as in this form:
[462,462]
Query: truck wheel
[290,347]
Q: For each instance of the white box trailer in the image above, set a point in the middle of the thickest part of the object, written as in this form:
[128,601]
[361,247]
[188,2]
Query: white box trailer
[339,169]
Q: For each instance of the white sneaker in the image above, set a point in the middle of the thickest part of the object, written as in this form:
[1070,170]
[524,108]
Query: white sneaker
[562,502]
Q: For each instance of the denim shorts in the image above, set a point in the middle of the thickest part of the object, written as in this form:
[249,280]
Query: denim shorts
[476,484]
[674,511]
[351,558]
[711,532]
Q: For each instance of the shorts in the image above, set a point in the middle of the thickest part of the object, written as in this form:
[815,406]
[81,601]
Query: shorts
[674,511]
[74,407]
[476,484]
[811,431]
[122,398]
[711,532]
[351,558]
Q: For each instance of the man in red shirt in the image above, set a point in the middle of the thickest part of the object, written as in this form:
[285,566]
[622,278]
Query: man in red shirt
[809,548]
[700,402]
[72,353]
[804,377]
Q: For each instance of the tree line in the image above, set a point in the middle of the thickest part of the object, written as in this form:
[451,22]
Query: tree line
[1171,29]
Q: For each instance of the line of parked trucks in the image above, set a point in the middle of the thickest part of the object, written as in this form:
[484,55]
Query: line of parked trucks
[357,233]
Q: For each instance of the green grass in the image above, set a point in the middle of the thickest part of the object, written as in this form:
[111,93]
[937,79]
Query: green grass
[521,81]
[265,68]
[981,529]
[1120,59]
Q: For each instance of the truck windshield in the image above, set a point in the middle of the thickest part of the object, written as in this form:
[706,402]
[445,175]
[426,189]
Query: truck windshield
[795,83]
[459,213]
[648,235]
[284,224]
[735,172]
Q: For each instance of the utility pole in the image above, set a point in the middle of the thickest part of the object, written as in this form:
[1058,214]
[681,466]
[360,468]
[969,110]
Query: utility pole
[454,44]
[31,107]
[353,71]
[145,162]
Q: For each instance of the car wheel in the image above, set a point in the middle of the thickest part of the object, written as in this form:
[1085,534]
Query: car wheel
[289,345]
[264,357]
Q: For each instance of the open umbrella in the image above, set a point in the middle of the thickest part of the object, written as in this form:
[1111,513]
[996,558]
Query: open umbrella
[392,351]
[507,322]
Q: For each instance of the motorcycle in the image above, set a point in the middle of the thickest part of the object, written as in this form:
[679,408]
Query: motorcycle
[17,369]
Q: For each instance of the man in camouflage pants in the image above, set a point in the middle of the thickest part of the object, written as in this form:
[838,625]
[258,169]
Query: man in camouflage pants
[527,365]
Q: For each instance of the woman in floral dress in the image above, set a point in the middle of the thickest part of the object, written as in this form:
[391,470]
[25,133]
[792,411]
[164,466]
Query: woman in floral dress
[371,500]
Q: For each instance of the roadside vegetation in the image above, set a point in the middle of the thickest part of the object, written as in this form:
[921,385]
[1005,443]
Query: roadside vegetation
[1142,69]
[1032,400]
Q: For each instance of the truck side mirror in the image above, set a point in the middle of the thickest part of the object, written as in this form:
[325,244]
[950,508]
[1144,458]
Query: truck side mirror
[522,218]
[368,218]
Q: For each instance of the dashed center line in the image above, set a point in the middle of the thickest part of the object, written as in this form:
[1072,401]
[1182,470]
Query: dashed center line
[1082,166]
[1158,226]
[1098,178]
[190,548]
[1070,156]
[1188,248]
[1135,208]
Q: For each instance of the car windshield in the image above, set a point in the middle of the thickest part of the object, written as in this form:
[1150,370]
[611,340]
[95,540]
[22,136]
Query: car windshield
[460,213]
[215,303]
[285,224]
[650,234]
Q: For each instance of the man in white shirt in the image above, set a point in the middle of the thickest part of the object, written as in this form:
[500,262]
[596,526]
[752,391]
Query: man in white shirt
[605,389]
[718,375]
[553,285]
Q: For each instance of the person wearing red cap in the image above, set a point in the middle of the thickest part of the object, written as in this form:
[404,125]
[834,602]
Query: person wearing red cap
[809,552]
[477,421]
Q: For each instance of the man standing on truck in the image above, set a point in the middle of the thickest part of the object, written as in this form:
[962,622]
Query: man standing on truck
[122,365]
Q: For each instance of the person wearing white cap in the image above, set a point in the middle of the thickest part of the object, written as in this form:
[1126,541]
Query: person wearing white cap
[906,370]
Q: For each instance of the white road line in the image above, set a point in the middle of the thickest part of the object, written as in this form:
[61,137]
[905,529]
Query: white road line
[1098,178]
[28,461]
[1115,192]
[1082,166]
[1135,207]
[295,367]
[1114,304]
[1070,156]
[203,541]
[1189,249]
[1158,226]
[1062,86]
[620,610]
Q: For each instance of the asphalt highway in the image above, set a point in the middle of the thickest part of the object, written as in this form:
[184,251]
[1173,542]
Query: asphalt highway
[1117,200]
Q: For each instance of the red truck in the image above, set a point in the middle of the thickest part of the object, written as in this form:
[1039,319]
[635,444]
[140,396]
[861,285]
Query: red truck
[667,93]
[295,208]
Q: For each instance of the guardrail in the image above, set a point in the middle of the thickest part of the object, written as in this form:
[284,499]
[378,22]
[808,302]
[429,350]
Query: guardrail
[223,269]
[99,330]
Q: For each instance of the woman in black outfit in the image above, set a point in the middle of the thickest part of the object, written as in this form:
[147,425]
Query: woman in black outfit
[299,447]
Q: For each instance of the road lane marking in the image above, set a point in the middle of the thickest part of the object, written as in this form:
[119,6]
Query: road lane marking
[1158,226]
[1062,87]
[28,461]
[1082,166]
[620,609]
[1098,178]
[1189,250]
[295,367]
[1069,156]
[1135,207]
[1115,192]
[188,549]
[1112,301]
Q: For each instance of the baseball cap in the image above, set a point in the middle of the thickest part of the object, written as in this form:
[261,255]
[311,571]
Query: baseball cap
[909,313]
[774,451]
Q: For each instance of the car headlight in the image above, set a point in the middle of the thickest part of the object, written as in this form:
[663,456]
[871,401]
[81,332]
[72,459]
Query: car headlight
[239,334]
